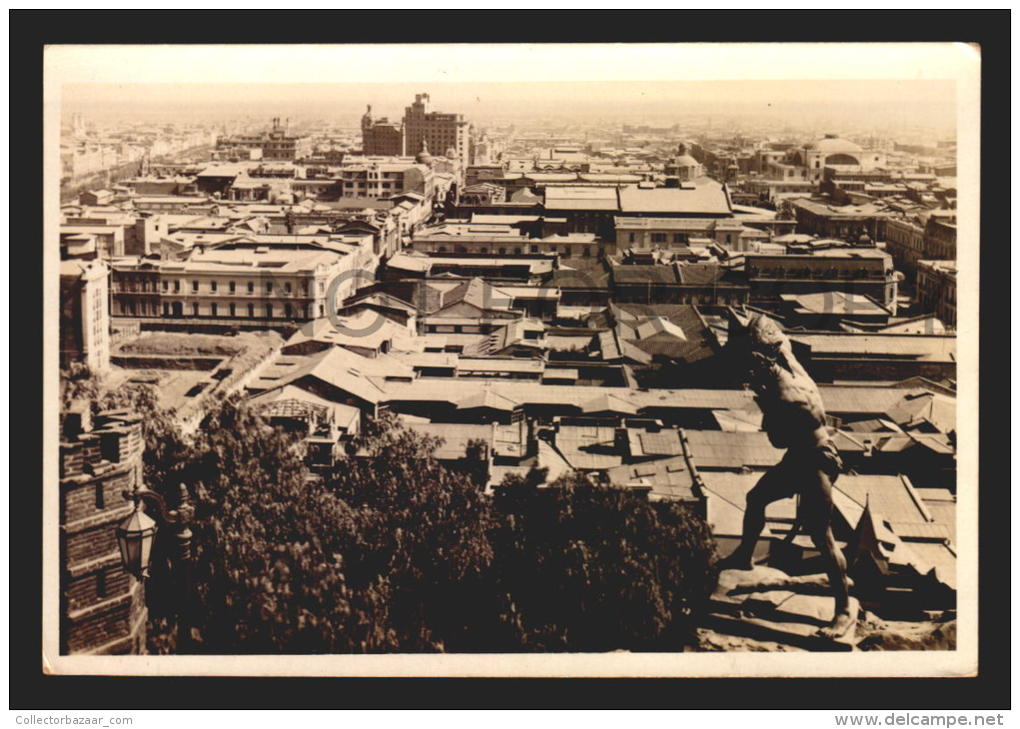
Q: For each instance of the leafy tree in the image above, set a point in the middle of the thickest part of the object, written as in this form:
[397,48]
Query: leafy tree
[361,561]
[594,568]
[425,527]
[394,552]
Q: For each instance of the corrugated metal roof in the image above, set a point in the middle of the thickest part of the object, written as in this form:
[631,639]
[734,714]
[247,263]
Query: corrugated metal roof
[727,495]
[888,496]
[938,556]
[668,478]
[722,449]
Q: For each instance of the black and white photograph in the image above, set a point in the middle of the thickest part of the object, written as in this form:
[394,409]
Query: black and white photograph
[399,360]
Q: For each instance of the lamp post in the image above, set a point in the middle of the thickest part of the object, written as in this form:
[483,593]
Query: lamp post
[136,536]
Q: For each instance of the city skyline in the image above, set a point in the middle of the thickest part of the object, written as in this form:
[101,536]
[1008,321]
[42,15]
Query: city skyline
[837,103]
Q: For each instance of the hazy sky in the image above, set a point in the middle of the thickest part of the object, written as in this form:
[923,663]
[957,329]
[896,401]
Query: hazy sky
[887,83]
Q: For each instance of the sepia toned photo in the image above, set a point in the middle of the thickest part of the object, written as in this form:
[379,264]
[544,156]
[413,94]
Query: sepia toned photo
[393,361]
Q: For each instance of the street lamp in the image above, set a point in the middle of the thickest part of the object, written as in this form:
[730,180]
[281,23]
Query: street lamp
[137,534]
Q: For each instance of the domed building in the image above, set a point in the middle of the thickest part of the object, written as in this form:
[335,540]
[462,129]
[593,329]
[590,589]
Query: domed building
[683,166]
[423,157]
[831,151]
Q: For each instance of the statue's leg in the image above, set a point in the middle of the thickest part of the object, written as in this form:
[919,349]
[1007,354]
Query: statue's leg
[816,503]
[774,485]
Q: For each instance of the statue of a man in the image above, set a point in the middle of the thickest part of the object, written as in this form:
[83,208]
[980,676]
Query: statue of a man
[794,418]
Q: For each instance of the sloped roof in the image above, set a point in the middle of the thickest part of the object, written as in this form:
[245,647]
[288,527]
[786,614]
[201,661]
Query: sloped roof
[698,274]
[455,437]
[342,369]
[704,197]
[669,478]
[913,409]
[290,401]
[608,403]
[891,496]
[731,449]
[588,447]
[726,495]
[485,399]
[659,325]
[644,274]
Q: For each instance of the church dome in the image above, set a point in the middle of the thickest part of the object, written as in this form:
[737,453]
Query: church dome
[833,144]
[423,157]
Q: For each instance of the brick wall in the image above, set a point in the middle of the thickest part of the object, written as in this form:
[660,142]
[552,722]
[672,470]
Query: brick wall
[102,606]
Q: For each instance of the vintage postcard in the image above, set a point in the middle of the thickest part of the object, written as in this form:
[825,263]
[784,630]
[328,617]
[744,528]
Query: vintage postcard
[391,360]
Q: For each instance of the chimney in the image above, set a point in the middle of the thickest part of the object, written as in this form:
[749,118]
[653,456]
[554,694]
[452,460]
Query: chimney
[77,419]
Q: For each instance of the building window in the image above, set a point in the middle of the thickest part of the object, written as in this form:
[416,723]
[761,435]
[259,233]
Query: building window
[286,287]
[194,285]
[177,286]
[100,500]
[101,589]
[322,309]
[166,285]
[233,310]
[194,309]
[251,309]
[658,237]
[269,311]
[534,249]
[251,287]
[232,287]
[212,286]
[212,308]
[287,311]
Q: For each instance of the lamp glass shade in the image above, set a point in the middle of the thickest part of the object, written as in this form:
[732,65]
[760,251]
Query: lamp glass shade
[135,536]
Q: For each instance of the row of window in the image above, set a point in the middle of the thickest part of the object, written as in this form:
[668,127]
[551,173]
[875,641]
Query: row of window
[231,287]
[517,250]
[131,308]
[663,238]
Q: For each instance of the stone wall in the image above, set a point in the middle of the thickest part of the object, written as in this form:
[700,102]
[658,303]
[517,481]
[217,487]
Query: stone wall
[102,606]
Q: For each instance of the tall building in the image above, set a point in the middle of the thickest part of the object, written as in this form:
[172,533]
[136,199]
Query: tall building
[85,314]
[102,607]
[276,144]
[936,289]
[442,133]
[381,137]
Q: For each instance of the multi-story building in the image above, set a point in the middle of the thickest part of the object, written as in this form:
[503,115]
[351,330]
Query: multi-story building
[926,236]
[940,238]
[276,144]
[381,136]
[904,240]
[102,608]
[385,177]
[866,271]
[810,160]
[697,283]
[244,283]
[821,218]
[439,131]
[666,233]
[85,314]
[936,289]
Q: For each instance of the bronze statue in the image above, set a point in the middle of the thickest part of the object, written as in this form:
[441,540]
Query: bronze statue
[794,418]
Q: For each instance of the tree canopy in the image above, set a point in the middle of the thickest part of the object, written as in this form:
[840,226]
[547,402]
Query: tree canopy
[394,552]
